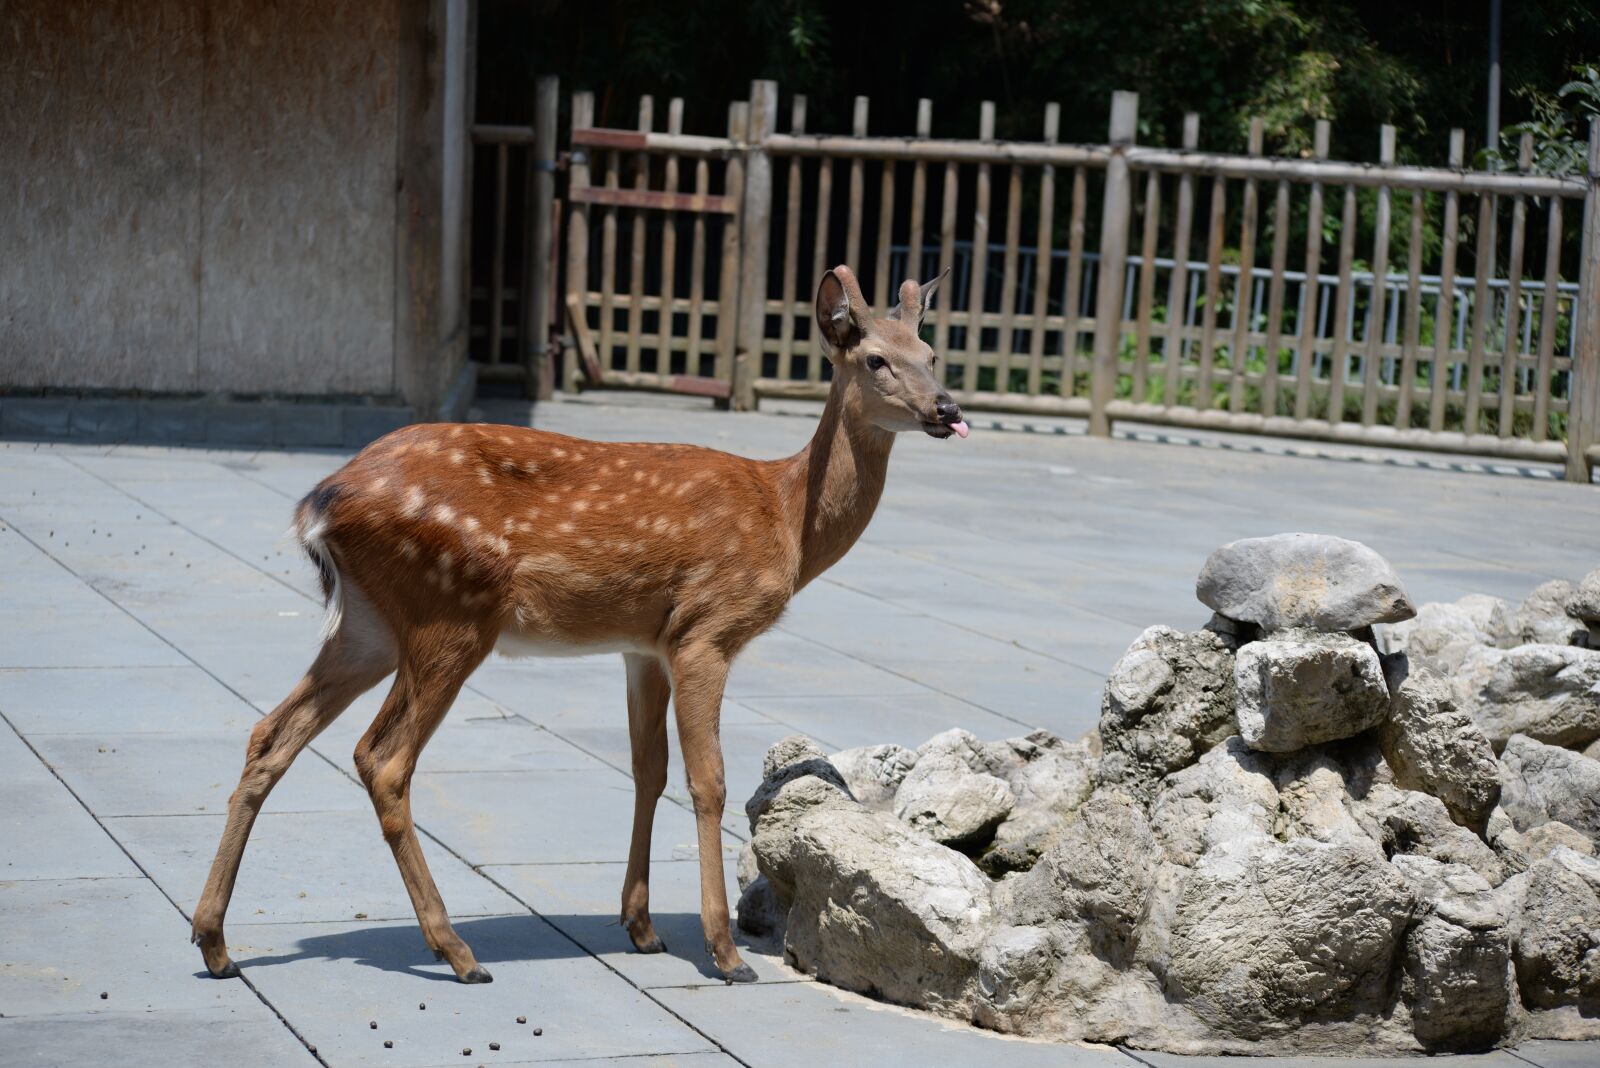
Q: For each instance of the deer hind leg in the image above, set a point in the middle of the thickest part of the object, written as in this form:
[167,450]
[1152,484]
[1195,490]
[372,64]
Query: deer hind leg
[648,692]
[432,670]
[699,673]
[353,660]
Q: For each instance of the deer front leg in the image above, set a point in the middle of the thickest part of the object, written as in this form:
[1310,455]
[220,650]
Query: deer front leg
[699,673]
[648,692]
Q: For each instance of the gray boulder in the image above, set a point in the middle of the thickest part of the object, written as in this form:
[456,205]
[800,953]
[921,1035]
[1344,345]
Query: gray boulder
[1455,978]
[1555,932]
[1302,580]
[874,772]
[1584,603]
[1167,700]
[1433,746]
[943,798]
[1476,619]
[1542,617]
[1548,692]
[1268,932]
[1049,778]
[1545,783]
[1300,688]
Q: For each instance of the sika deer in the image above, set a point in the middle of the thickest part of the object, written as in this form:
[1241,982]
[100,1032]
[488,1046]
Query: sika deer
[440,543]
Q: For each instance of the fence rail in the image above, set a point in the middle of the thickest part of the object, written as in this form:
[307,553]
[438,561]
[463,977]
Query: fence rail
[1430,307]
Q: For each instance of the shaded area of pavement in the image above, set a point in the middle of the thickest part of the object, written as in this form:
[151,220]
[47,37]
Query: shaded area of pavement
[152,610]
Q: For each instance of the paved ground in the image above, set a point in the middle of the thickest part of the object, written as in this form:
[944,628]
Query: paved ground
[149,612]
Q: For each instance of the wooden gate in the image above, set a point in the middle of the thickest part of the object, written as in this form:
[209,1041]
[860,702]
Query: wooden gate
[650,314]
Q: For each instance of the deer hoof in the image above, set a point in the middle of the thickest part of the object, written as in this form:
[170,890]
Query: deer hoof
[655,945]
[742,974]
[229,970]
[478,974]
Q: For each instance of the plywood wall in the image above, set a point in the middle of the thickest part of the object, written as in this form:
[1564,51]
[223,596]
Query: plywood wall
[198,195]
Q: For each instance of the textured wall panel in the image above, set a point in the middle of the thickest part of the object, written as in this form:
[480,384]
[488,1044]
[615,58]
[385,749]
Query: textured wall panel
[297,292]
[99,193]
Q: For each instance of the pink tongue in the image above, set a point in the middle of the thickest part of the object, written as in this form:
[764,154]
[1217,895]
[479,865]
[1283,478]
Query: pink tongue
[959,426]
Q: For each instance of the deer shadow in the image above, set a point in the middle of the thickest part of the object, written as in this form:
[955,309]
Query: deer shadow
[398,947]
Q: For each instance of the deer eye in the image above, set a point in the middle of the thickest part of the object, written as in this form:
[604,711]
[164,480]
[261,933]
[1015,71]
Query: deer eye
[876,362]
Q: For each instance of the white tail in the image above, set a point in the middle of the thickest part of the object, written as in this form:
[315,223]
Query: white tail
[440,542]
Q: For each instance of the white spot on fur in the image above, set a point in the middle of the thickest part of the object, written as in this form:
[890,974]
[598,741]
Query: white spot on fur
[457,457]
[470,522]
[414,502]
[444,513]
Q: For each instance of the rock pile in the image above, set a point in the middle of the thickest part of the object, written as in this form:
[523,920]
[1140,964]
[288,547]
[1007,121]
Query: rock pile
[1325,822]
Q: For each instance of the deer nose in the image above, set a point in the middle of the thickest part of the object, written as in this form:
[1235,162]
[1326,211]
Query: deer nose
[947,410]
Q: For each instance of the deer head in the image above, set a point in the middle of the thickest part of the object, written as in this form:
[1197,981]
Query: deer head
[888,373]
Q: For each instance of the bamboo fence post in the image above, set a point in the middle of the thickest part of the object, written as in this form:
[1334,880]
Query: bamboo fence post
[1511,348]
[880,280]
[1044,256]
[1378,301]
[728,274]
[697,272]
[819,253]
[1147,285]
[980,258]
[1443,331]
[1008,279]
[546,102]
[755,227]
[1246,286]
[665,316]
[1275,287]
[1549,312]
[1178,287]
[608,268]
[791,248]
[1583,417]
[1311,289]
[1343,308]
[852,237]
[1482,299]
[947,259]
[1074,295]
[1115,210]
[919,193]
[1208,313]
[578,233]
[636,246]
[1408,353]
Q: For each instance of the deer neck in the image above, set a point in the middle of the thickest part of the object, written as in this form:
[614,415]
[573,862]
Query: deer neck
[832,486]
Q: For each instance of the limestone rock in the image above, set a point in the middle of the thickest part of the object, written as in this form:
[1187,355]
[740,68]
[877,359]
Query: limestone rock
[1456,955]
[943,798]
[1548,692]
[1556,932]
[1476,619]
[1545,783]
[1302,580]
[787,760]
[1434,747]
[1228,795]
[1049,778]
[1167,700]
[1542,617]
[758,911]
[874,772]
[1584,603]
[1267,932]
[1300,688]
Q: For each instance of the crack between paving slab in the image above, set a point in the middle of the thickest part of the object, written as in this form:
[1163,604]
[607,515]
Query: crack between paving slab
[422,829]
[309,1048]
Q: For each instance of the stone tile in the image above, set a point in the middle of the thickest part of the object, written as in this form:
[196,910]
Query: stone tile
[41,637]
[116,936]
[44,832]
[104,420]
[905,719]
[831,1027]
[782,663]
[583,901]
[246,1037]
[301,867]
[543,817]
[333,979]
[1548,1054]
[36,417]
[180,774]
[1037,691]
[99,701]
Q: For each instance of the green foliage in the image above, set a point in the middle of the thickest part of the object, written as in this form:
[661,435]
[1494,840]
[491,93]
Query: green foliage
[1559,128]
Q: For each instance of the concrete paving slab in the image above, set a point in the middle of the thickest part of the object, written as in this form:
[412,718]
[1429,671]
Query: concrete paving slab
[843,722]
[582,900]
[1493,1059]
[332,980]
[181,774]
[44,832]
[300,867]
[543,817]
[1547,1054]
[99,701]
[119,937]
[57,639]
[1033,690]
[780,662]
[239,1038]
[841,1028]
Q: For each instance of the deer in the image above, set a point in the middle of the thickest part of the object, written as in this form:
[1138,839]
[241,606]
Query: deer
[440,543]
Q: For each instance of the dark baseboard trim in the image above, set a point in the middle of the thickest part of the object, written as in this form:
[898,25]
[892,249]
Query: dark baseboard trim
[156,421]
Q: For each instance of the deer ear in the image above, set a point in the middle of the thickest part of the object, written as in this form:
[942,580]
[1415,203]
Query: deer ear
[915,300]
[834,318]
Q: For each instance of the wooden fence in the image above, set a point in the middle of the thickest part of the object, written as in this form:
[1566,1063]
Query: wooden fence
[1425,307]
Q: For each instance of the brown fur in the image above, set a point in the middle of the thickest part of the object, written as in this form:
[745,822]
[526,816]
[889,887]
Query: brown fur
[439,540]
